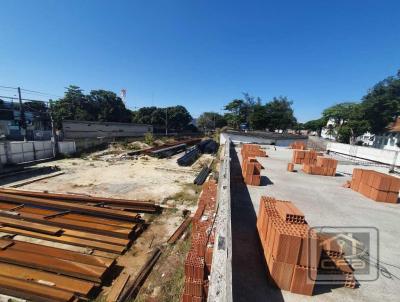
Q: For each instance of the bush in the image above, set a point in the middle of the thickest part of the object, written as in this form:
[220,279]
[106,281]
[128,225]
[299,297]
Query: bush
[149,138]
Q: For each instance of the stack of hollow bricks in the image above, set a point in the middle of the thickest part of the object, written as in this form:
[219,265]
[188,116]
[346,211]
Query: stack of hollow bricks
[251,168]
[375,185]
[199,258]
[287,242]
[299,145]
[308,157]
[323,166]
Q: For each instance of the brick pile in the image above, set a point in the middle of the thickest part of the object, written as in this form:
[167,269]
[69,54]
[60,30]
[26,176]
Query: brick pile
[305,157]
[287,241]
[323,166]
[298,145]
[251,150]
[375,185]
[199,259]
[332,257]
[290,167]
[251,171]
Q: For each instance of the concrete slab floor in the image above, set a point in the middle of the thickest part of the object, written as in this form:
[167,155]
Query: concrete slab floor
[325,203]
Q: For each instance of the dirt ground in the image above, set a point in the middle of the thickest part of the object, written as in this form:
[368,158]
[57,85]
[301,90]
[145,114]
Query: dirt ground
[143,178]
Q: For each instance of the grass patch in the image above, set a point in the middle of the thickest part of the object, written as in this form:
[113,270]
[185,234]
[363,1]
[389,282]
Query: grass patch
[189,194]
[168,277]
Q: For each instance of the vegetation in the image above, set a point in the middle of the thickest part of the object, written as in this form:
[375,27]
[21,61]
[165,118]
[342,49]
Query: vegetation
[276,114]
[378,108]
[211,120]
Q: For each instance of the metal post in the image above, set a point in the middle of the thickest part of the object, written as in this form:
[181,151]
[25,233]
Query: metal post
[21,114]
[166,121]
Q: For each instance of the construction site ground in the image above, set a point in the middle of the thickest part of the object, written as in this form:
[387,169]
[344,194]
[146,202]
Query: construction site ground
[325,202]
[140,178]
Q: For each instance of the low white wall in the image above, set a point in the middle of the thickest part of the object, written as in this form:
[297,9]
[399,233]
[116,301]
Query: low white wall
[378,155]
[67,147]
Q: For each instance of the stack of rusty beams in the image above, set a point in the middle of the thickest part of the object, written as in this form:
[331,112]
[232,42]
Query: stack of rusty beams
[41,273]
[188,142]
[323,166]
[251,150]
[113,203]
[308,157]
[298,145]
[333,257]
[199,259]
[291,248]
[375,185]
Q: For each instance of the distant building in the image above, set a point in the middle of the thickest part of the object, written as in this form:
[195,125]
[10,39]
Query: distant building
[38,124]
[329,131]
[391,139]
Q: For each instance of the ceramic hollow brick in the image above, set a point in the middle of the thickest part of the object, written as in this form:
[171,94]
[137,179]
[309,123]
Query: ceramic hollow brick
[303,280]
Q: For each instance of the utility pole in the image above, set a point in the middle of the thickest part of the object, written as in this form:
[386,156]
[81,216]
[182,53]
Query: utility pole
[22,115]
[166,121]
[54,137]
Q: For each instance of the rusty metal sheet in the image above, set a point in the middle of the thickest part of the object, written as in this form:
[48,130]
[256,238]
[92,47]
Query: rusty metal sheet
[30,226]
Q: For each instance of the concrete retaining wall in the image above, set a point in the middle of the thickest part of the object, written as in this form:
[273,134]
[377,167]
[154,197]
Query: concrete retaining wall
[221,270]
[85,129]
[378,155]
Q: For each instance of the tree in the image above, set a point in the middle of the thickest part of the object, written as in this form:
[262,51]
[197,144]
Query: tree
[178,117]
[315,125]
[382,104]
[258,117]
[349,122]
[279,114]
[238,112]
[108,107]
[211,120]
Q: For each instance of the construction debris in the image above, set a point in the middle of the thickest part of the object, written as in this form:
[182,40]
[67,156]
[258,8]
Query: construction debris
[199,259]
[189,157]
[375,185]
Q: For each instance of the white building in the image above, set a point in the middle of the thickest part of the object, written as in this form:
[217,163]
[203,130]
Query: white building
[329,131]
[391,139]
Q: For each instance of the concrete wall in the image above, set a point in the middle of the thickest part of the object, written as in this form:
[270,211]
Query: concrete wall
[84,129]
[67,147]
[221,271]
[378,155]
[22,152]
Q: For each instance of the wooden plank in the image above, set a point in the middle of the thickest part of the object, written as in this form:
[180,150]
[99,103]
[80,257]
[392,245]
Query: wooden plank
[117,287]
[55,265]
[62,254]
[60,205]
[33,291]
[77,286]
[67,240]
[30,226]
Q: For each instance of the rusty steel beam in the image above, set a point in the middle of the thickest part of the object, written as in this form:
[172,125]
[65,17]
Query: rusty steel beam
[33,291]
[179,231]
[55,265]
[60,253]
[60,205]
[132,204]
[76,286]
[111,248]
[30,226]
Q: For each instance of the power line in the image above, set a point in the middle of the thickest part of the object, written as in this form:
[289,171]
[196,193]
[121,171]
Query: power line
[31,91]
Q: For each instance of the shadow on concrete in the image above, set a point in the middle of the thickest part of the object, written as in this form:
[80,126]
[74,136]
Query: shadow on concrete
[249,272]
[265,181]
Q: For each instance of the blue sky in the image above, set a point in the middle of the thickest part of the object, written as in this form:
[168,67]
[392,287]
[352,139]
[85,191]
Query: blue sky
[202,54]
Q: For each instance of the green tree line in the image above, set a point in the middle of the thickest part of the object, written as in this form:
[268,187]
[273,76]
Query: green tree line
[377,109]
